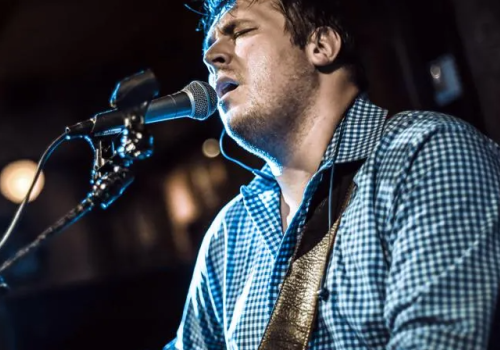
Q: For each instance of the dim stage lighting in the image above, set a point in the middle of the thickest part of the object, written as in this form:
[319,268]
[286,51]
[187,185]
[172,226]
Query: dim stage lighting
[211,148]
[16,178]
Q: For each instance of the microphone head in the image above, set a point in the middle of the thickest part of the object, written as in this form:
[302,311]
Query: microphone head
[203,99]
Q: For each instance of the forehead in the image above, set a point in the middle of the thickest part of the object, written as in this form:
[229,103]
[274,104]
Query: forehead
[258,11]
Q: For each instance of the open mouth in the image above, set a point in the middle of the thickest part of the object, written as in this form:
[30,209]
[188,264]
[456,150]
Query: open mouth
[226,88]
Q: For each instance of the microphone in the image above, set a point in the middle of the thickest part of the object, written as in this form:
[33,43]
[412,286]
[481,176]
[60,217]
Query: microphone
[197,100]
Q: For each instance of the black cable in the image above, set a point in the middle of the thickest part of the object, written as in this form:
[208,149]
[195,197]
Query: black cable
[332,170]
[256,172]
[41,164]
[323,289]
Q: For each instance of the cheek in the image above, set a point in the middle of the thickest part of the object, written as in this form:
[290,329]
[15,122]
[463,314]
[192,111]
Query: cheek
[263,71]
[264,68]
[258,58]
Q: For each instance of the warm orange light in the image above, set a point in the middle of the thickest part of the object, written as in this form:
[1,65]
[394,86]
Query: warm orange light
[180,198]
[211,148]
[16,178]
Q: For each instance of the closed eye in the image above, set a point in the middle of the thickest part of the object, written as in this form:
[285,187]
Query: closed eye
[241,32]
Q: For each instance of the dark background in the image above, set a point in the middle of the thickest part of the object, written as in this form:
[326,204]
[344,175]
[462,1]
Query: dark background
[118,278]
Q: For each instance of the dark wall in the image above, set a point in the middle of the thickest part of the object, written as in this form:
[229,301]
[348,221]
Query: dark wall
[118,278]
[479,27]
[135,311]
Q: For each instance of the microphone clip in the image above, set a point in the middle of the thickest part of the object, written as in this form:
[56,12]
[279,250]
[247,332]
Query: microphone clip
[135,90]
[115,154]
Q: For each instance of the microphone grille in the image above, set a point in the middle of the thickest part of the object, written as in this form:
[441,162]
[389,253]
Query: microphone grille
[203,99]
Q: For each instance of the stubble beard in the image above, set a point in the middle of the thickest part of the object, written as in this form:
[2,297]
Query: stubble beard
[276,118]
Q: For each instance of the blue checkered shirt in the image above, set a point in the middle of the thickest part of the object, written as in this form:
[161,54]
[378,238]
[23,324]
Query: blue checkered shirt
[415,264]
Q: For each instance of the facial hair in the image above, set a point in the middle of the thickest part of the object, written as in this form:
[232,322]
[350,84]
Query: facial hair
[278,114]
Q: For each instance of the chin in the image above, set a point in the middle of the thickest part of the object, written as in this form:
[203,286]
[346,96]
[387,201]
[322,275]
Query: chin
[232,116]
[243,128]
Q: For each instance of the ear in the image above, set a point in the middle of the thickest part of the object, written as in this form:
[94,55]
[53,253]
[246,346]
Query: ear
[323,46]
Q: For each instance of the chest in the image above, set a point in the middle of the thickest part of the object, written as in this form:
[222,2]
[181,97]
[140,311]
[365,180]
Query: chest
[351,312]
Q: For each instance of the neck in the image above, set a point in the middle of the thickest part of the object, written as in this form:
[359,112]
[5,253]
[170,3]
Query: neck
[305,152]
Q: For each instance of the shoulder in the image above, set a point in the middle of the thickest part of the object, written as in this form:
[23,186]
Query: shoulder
[408,134]
[212,253]
[227,217]
[417,126]
[426,147]
[414,125]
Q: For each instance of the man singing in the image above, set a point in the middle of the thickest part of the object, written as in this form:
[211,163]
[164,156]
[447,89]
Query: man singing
[415,261]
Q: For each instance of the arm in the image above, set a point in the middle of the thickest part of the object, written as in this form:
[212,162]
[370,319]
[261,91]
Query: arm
[201,325]
[445,274]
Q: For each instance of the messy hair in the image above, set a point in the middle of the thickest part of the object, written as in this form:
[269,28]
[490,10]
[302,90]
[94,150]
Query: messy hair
[302,19]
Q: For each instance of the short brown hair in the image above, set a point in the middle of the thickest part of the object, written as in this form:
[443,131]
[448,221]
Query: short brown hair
[303,17]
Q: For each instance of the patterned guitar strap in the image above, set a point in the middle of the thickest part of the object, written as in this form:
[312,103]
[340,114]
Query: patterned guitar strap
[293,318]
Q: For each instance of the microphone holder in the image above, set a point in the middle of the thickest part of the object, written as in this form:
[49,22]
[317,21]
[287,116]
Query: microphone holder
[112,169]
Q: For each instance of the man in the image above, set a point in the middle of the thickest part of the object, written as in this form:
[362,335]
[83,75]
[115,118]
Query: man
[415,263]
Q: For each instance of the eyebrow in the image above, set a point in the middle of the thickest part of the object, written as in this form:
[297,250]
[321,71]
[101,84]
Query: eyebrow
[227,29]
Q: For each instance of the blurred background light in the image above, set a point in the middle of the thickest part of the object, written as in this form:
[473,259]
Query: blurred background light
[16,178]
[211,148]
[139,255]
[182,208]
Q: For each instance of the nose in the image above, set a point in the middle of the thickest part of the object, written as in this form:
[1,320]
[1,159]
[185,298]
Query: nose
[216,57]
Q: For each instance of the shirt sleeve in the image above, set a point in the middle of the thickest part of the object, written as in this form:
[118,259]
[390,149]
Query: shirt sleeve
[444,273]
[201,325]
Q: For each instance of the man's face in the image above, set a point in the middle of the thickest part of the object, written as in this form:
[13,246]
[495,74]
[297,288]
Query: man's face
[263,81]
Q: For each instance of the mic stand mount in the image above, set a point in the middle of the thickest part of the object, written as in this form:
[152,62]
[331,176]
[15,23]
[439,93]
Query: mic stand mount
[112,168]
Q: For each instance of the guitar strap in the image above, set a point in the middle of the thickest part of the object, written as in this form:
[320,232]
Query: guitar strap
[293,318]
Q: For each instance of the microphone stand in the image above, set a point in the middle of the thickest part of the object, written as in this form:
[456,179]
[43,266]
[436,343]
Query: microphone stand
[112,168]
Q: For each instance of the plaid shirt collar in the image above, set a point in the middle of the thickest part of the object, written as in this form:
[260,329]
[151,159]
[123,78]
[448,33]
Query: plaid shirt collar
[359,132]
